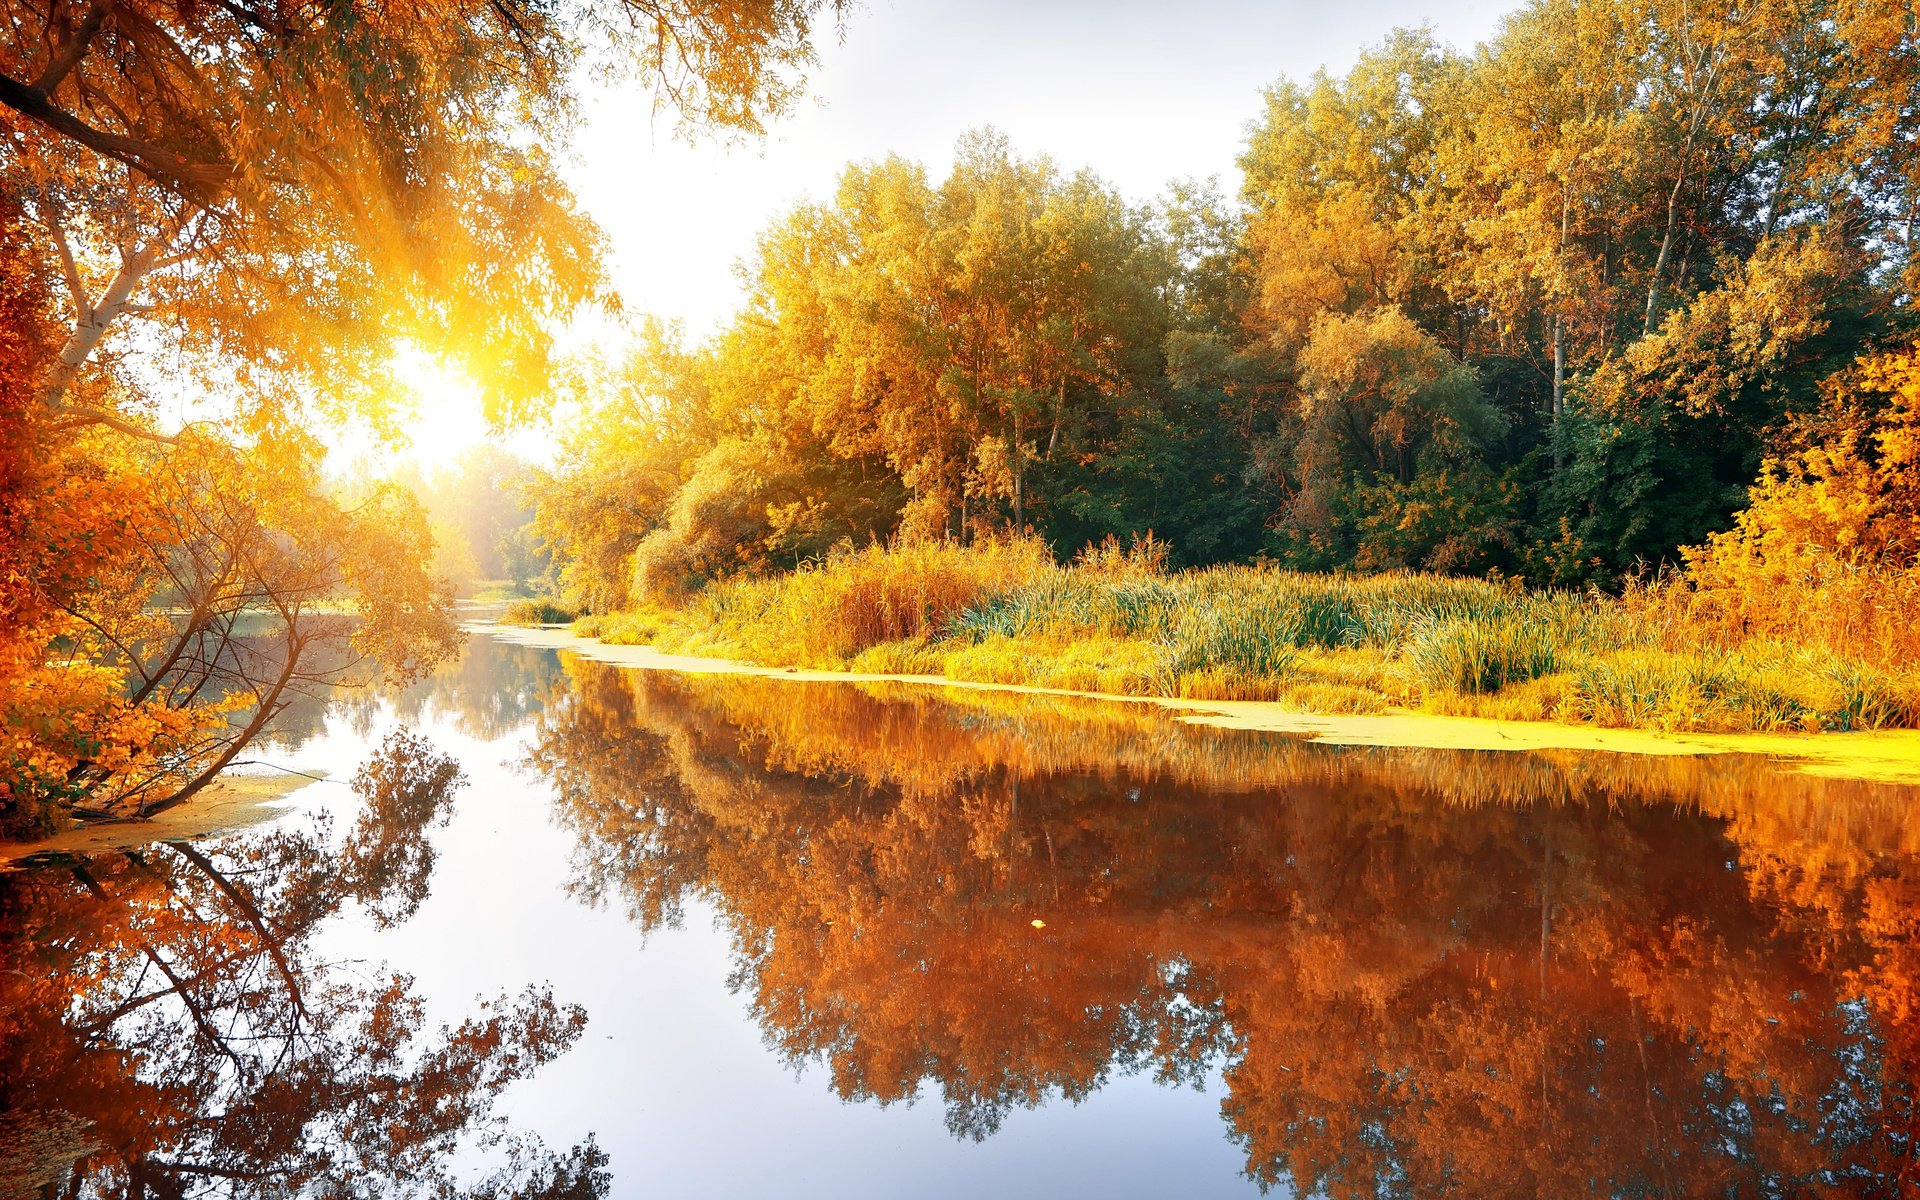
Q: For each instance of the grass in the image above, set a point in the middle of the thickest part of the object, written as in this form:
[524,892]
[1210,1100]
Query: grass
[1484,652]
[539,610]
[1121,623]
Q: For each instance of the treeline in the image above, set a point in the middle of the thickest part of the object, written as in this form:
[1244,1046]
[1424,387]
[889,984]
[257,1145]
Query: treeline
[1544,309]
[480,511]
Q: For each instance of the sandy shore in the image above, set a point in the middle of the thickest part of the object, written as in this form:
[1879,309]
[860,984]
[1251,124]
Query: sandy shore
[230,803]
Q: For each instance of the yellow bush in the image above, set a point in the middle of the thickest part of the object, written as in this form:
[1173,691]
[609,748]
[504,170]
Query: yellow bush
[1827,551]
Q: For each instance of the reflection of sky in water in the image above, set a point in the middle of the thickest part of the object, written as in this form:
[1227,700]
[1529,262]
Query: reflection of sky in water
[672,1074]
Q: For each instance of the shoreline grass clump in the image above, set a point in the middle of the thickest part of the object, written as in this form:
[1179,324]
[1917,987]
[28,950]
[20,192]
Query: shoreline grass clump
[1483,653]
[538,610]
[1119,621]
[831,609]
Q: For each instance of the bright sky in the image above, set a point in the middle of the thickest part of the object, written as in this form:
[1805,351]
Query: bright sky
[1141,93]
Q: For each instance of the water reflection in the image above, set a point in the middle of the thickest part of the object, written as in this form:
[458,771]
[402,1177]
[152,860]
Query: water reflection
[1401,972]
[486,692]
[167,1027]
[1419,971]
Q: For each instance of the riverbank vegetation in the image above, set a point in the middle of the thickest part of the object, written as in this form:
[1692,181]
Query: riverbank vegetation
[1571,377]
[1662,656]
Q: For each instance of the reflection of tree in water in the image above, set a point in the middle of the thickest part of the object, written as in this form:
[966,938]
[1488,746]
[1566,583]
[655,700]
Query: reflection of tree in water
[167,1029]
[487,692]
[1511,975]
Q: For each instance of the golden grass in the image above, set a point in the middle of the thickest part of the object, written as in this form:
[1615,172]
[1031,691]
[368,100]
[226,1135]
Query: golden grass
[1120,623]
[538,610]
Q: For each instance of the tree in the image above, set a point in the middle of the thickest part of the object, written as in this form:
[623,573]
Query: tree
[282,197]
[1665,437]
[914,361]
[249,586]
[293,193]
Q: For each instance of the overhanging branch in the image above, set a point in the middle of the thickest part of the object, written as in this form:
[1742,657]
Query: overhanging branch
[198,181]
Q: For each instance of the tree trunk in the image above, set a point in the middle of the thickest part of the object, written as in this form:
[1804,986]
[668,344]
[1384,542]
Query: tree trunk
[1559,321]
[1666,250]
[1695,120]
[1019,515]
[1059,410]
[1559,367]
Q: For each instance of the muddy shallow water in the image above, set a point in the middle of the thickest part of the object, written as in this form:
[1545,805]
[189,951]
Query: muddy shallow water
[768,937]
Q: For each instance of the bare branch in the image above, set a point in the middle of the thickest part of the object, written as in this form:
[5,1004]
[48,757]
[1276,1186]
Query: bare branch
[199,181]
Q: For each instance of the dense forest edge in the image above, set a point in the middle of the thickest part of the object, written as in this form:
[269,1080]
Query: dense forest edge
[1572,376]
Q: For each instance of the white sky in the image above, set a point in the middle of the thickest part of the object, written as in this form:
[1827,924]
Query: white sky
[1141,93]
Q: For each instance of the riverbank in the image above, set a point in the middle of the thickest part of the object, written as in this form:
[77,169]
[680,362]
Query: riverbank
[1883,757]
[230,803]
[1671,657]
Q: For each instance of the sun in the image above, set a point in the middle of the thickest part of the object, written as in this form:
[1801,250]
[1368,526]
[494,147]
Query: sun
[441,412]
[439,415]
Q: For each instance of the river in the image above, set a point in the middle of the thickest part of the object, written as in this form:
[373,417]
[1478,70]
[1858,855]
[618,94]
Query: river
[552,927]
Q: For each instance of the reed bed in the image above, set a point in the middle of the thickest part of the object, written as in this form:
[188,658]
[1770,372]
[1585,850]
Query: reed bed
[1120,622]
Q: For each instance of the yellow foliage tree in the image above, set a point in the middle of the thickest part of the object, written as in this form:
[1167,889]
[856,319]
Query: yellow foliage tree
[1829,544]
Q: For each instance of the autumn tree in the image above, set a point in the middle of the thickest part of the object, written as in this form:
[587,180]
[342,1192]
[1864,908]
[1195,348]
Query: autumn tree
[279,198]
[293,195]
[914,360]
[1827,549]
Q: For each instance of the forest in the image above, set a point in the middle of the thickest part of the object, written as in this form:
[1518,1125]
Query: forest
[1546,309]
[1571,376]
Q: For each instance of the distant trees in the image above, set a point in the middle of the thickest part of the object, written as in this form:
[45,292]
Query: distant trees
[1606,213]
[1542,308]
[481,509]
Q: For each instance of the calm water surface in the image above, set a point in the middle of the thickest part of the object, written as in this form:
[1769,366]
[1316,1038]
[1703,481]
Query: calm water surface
[552,927]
